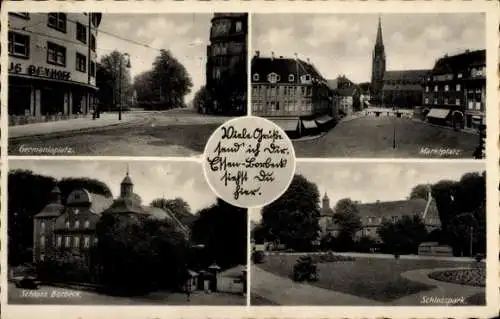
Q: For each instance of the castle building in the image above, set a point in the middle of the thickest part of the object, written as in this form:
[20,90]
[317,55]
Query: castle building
[226,69]
[398,88]
[71,227]
[290,92]
[455,90]
[374,214]
[51,65]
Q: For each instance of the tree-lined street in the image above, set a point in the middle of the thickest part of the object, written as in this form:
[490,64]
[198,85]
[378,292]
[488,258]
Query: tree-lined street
[176,132]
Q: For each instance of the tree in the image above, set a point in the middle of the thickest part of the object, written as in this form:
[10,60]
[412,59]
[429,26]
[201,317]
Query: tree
[105,85]
[420,191]
[178,206]
[171,78]
[202,100]
[222,229]
[137,254]
[347,217]
[143,85]
[403,236]
[112,63]
[293,218]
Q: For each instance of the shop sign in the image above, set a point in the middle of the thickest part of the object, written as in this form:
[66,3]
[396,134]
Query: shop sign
[40,71]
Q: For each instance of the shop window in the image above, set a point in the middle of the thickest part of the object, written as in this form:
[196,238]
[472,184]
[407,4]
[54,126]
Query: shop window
[81,33]
[56,54]
[81,62]
[19,45]
[57,20]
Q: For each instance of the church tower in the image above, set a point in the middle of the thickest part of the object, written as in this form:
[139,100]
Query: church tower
[378,66]
[326,203]
[127,187]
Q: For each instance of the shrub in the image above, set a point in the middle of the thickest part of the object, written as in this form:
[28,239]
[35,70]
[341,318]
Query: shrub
[305,269]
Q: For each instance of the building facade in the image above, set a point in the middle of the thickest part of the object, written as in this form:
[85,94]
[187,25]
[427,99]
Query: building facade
[347,95]
[455,90]
[71,227]
[374,214]
[290,92]
[52,65]
[226,69]
[401,88]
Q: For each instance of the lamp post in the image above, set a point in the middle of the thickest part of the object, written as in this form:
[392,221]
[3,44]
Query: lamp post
[394,129]
[120,82]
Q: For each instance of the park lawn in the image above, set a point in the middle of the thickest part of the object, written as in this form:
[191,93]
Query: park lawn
[373,278]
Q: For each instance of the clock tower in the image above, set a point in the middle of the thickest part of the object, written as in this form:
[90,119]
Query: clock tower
[378,66]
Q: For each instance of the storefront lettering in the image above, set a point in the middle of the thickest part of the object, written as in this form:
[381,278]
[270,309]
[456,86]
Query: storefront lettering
[40,71]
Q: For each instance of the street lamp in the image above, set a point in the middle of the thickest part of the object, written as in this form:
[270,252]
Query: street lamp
[120,82]
[394,129]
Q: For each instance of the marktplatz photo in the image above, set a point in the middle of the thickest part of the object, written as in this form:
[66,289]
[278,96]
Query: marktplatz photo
[373,85]
[112,233]
[123,84]
[366,234]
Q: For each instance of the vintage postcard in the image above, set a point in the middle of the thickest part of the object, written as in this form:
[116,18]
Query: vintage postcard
[319,159]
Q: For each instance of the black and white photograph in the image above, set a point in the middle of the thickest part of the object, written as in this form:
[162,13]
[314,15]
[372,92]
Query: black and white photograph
[123,84]
[373,85]
[117,233]
[373,234]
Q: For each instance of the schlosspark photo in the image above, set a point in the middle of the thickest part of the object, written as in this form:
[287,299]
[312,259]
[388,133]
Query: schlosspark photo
[123,84]
[370,85]
[107,233]
[373,235]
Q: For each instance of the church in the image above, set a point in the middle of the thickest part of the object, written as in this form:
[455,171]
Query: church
[372,215]
[395,88]
[71,226]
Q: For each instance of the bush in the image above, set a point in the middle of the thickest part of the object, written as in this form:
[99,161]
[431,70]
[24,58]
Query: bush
[258,257]
[305,269]
[330,258]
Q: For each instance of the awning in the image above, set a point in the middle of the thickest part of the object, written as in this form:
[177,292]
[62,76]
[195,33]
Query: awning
[324,119]
[309,124]
[438,113]
[287,125]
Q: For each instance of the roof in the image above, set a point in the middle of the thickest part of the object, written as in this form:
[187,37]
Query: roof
[398,208]
[283,67]
[125,205]
[409,76]
[453,63]
[99,203]
[364,87]
[347,91]
[51,210]
[333,84]
[127,180]
[402,87]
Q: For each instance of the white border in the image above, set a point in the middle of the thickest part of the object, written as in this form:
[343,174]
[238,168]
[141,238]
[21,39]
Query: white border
[491,8]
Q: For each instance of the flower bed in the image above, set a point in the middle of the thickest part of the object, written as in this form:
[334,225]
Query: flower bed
[471,277]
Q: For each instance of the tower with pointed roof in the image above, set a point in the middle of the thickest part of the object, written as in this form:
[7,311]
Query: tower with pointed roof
[127,187]
[326,202]
[378,65]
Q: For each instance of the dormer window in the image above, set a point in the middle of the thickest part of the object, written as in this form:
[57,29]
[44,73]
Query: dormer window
[273,77]
[256,77]
[291,77]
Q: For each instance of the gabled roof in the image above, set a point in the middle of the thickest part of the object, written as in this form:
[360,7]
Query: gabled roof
[125,205]
[282,67]
[347,91]
[333,84]
[458,62]
[51,210]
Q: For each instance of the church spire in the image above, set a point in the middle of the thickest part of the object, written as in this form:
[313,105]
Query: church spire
[379,42]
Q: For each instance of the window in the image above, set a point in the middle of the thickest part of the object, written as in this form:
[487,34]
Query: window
[256,77]
[59,241]
[426,100]
[56,54]
[42,257]
[42,241]
[435,101]
[24,15]
[291,78]
[92,43]
[458,88]
[92,68]
[273,78]
[435,88]
[239,26]
[57,20]
[76,211]
[67,224]
[81,33]
[459,75]
[42,227]
[369,220]
[76,242]
[86,242]
[446,88]
[77,224]
[457,101]
[445,101]
[427,88]
[81,62]
[87,224]
[67,241]
[95,240]
[19,45]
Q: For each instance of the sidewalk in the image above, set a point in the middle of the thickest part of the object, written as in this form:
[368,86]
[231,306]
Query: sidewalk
[106,119]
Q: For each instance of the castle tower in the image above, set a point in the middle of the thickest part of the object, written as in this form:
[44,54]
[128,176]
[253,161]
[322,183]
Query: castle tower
[55,195]
[127,187]
[326,202]
[378,66]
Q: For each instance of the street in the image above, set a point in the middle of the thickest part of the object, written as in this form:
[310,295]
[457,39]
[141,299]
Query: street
[372,136]
[177,132]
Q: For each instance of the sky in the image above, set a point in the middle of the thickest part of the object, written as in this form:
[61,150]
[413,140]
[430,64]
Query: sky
[369,182]
[185,35]
[151,179]
[343,43]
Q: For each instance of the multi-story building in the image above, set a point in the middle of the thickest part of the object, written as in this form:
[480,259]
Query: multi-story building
[226,71]
[290,92]
[52,65]
[347,95]
[401,88]
[71,227]
[455,91]
[374,214]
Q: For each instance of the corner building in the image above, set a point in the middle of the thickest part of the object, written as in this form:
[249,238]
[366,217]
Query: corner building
[51,66]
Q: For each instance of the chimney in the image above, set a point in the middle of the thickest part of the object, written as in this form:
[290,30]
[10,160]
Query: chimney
[257,53]
[281,57]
